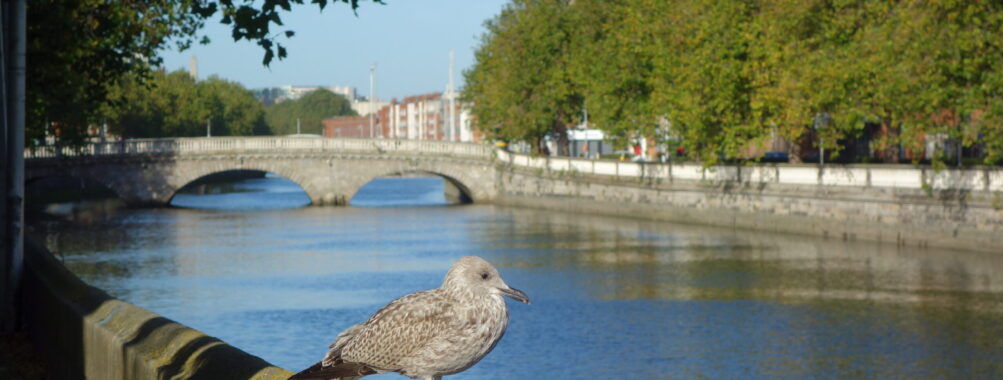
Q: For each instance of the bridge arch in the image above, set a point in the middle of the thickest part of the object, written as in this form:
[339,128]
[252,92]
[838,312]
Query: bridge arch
[469,183]
[221,166]
[455,190]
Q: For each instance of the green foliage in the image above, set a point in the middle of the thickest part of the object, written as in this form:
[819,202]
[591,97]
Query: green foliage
[78,50]
[175,105]
[520,86]
[727,74]
[253,19]
[613,64]
[705,78]
[75,49]
[311,109]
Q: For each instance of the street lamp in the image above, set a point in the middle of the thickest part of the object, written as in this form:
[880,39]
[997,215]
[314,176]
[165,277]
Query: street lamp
[821,119]
[372,97]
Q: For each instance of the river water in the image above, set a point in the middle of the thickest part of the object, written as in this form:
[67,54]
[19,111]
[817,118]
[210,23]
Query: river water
[612,297]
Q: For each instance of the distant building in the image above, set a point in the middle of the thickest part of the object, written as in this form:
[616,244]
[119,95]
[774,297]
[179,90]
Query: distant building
[419,117]
[347,126]
[272,95]
[193,68]
[296,92]
[362,106]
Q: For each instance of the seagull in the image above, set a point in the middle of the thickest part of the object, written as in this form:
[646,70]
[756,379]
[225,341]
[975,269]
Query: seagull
[429,334]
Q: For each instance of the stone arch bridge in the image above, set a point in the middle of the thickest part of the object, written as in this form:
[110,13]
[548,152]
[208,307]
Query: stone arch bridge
[148,172]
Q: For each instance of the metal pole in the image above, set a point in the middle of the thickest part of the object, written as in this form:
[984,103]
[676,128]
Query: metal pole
[208,127]
[14,49]
[372,98]
[6,307]
[451,96]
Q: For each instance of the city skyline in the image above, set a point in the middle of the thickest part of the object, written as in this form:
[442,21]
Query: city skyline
[409,43]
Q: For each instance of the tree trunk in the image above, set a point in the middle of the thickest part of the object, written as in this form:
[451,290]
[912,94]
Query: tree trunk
[890,153]
[795,149]
[561,130]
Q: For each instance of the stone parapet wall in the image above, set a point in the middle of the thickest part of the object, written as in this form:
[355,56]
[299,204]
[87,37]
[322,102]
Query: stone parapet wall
[987,179]
[922,216]
[85,333]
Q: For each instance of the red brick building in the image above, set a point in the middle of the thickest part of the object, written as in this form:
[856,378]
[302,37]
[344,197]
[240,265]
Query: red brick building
[348,126]
[419,117]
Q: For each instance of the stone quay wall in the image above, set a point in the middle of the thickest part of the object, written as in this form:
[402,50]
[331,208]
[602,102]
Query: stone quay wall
[908,206]
[83,333]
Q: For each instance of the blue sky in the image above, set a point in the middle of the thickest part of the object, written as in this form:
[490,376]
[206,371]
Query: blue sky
[409,41]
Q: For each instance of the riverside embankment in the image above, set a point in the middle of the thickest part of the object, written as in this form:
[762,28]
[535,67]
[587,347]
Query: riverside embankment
[905,205]
[82,332]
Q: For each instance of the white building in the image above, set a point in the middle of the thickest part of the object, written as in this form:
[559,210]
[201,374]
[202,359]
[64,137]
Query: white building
[290,92]
[363,107]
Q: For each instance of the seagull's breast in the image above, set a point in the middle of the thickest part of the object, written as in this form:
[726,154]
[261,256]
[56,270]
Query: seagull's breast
[474,330]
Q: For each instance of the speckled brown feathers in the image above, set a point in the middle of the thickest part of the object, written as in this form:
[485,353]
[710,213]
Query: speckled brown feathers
[426,334]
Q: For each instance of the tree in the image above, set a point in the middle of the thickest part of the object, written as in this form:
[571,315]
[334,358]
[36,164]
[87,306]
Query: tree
[704,77]
[521,86]
[613,63]
[77,49]
[729,74]
[310,110]
[254,23]
[175,105]
[237,111]
[810,68]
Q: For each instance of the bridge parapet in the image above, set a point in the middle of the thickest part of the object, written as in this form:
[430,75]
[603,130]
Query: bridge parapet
[214,145]
[986,179]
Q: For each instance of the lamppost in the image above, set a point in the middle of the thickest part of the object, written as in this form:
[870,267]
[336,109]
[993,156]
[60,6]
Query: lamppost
[822,119]
[372,97]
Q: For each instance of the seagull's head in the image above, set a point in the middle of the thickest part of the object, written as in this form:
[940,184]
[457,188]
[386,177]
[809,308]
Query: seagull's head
[476,275]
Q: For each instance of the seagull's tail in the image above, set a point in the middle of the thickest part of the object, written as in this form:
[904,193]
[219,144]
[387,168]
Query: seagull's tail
[340,371]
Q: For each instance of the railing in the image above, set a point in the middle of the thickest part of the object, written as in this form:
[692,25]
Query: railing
[981,179]
[202,145]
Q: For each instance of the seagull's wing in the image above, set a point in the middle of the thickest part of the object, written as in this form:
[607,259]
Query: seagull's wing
[400,329]
[343,371]
[333,367]
[334,354]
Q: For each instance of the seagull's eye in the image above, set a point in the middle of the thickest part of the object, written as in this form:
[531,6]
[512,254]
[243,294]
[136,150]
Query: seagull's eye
[485,275]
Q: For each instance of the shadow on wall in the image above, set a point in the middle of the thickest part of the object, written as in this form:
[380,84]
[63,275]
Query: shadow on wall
[456,192]
[139,183]
[82,332]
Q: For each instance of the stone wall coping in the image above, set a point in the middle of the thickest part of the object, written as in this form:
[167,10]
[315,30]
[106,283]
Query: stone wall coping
[85,333]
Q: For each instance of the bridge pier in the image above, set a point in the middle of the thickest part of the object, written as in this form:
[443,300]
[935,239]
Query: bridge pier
[331,199]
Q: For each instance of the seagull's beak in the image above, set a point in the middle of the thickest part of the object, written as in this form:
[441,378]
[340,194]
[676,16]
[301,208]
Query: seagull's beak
[515,294]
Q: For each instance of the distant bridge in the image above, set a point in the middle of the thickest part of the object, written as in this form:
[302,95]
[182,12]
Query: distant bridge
[149,172]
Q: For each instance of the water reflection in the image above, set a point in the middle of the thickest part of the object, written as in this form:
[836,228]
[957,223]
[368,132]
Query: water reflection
[612,297]
[246,195]
[397,192]
[686,262]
